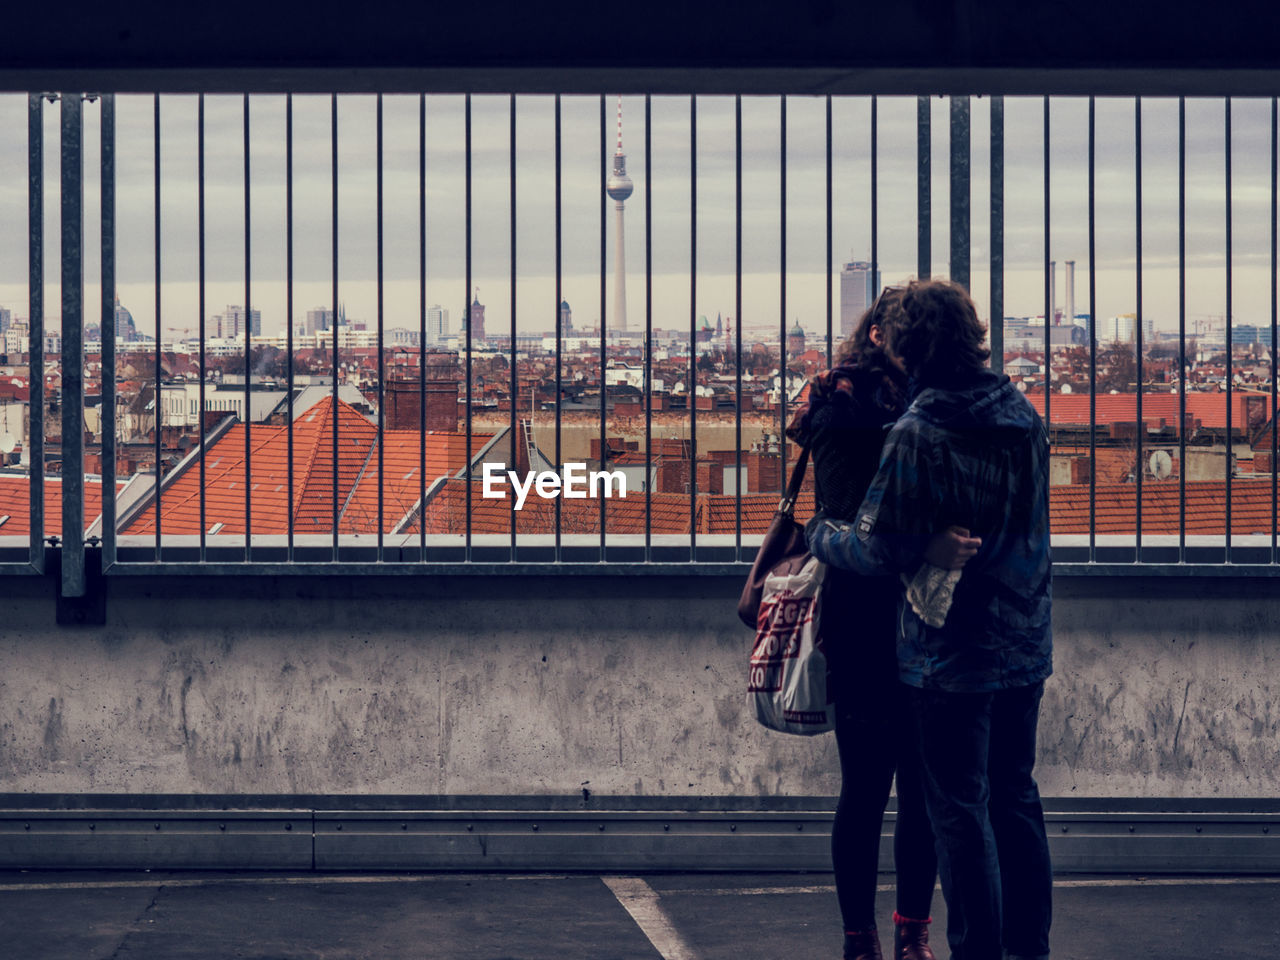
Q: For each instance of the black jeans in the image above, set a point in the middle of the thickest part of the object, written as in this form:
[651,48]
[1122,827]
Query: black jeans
[977,752]
[875,739]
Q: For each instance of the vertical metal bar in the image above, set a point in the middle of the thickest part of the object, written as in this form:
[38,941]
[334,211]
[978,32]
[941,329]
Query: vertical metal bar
[693,336]
[604,443]
[108,216]
[782,296]
[333,128]
[875,199]
[72,190]
[830,251]
[924,186]
[467,308]
[288,312]
[648,329]
[1182,330]
[960,190]
[159,328]
[512,186]
[737,309]
[996,333]
[1275,440]
[382,372]
[558,324]
[1137,180]
[35,312]
[1093,356]
[248,350]
[200,324]
[1230,451]
[422,327]
[1048,289]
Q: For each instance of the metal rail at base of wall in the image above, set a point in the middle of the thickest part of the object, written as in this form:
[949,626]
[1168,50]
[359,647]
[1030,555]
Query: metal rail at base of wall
[1145,840]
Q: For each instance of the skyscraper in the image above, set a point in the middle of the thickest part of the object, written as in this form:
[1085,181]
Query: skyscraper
[319,319]
[619,188]
[858,291]
[437,323]
[126,332]
[232,322]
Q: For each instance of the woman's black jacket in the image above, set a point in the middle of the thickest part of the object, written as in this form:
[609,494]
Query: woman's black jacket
[849,413]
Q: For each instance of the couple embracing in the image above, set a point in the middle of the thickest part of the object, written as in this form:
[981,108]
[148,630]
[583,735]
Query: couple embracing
[916,444]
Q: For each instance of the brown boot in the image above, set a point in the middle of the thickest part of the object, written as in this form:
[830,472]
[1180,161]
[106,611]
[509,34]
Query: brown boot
[911,938]
[862,945]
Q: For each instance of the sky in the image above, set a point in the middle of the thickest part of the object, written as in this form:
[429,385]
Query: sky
[668,184]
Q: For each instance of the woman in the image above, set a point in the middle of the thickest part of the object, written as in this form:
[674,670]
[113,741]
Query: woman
[849,412]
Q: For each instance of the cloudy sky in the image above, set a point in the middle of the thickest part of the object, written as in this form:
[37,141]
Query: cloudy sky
[670,172]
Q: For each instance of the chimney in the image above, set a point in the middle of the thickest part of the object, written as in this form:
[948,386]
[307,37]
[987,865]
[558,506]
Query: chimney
[442,405]
[764,472]
[1071,291]
[404,405]
[1052,319]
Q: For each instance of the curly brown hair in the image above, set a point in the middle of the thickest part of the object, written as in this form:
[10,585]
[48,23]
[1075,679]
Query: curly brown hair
[880,314]
[937,333]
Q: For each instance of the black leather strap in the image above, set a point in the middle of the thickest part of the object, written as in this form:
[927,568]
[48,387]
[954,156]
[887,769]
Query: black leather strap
[787,504]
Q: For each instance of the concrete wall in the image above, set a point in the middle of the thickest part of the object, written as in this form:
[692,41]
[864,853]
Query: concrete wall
[627,686]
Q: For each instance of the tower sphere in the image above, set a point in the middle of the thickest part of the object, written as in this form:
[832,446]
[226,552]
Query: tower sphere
[619,186]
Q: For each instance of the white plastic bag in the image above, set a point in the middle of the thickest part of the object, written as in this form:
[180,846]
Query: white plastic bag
[787,681]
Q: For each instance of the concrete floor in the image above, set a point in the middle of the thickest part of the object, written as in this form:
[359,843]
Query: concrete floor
[177,916]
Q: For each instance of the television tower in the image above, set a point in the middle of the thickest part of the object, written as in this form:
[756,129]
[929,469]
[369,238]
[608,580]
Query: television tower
[619,188]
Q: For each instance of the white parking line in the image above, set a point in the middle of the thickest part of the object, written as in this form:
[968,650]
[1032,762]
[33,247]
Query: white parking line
[316,880]
[641,902]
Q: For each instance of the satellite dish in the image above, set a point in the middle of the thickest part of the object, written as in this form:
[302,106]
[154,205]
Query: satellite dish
[1161,464]
[7,443]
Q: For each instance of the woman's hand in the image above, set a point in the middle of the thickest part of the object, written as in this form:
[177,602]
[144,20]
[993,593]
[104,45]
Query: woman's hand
[951,548]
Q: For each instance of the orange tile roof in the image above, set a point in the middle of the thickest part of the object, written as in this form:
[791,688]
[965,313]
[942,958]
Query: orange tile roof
[313,477]
[1116,507]
[1209,408]
[400,482]
[15,502]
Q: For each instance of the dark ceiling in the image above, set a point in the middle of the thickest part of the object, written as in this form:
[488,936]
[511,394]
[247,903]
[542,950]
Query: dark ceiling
[713,46]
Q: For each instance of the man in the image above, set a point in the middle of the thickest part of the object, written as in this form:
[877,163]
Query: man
[971,452]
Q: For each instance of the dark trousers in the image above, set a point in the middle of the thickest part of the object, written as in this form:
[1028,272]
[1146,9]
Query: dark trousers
[874,737]
[977,752]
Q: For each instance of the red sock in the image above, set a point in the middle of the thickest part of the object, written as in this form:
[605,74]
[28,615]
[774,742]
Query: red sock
[899,919]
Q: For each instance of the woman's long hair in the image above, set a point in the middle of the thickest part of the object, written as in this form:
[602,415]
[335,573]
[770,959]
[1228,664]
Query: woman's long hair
[889,387]
[857,347]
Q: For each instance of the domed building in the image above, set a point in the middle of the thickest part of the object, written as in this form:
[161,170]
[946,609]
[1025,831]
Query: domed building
[795,340]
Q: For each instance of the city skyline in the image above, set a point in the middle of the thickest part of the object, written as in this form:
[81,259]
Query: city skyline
[582,142]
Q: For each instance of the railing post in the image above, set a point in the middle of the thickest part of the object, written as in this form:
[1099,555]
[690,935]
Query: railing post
[924,184]
[35,311]
[960,190]
[108,330]
[72,189]
[996,333]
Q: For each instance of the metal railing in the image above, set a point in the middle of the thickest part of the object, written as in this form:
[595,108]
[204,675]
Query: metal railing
[594,539]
